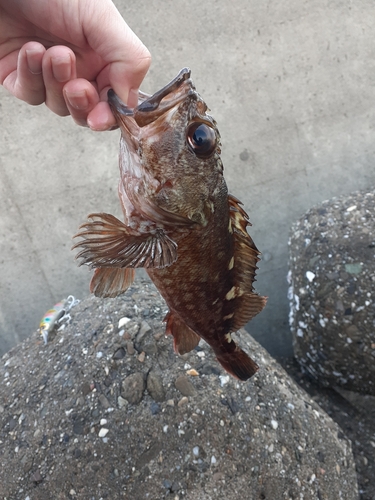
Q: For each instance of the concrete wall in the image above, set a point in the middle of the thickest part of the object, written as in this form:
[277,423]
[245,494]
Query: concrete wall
[291,86]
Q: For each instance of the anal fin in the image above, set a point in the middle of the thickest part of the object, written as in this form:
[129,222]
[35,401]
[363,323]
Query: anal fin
[185,339]
[111,281]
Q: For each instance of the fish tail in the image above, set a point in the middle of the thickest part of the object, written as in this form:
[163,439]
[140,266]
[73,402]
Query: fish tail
[238,363]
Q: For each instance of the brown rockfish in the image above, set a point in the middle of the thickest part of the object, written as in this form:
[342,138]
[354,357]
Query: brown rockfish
[181,224]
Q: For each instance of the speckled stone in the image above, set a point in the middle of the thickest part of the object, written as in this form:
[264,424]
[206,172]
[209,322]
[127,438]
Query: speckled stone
[332,290]
[133,387]
[155,386]
[148,451]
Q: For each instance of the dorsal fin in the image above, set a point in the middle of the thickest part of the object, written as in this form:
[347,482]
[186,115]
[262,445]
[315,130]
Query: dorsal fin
[246,256]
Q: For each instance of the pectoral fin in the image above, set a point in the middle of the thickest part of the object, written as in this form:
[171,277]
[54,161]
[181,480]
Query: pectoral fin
[107,242]
[111,281]
[185,339]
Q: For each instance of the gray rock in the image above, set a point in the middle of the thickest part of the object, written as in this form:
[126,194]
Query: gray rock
[155,386]
[264,438]
[184,385]
[332,289]
[133,387]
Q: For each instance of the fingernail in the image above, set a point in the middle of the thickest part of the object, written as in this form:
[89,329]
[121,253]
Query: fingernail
[77,100]
[34,61]
[61,68]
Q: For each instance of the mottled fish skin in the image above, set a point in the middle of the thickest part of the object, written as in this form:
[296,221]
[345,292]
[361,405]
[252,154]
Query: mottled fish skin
[180,224]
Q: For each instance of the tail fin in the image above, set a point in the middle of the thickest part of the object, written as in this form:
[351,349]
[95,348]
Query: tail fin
[238,364]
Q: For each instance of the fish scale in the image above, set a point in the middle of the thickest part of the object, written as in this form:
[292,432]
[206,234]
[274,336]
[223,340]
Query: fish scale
[180,224]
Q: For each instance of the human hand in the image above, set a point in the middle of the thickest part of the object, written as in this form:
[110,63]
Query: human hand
[68,53]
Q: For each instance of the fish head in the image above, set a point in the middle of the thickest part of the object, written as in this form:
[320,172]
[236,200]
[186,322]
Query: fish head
[170,150]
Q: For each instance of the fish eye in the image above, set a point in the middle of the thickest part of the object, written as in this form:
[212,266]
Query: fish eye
[201,139]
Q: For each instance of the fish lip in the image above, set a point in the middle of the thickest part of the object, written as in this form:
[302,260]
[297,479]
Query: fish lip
[152,107]
[151,103]
[117,105]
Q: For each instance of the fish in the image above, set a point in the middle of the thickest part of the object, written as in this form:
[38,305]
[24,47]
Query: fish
[180,224]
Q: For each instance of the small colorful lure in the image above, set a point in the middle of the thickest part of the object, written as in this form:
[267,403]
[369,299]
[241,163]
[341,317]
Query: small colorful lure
[56,315]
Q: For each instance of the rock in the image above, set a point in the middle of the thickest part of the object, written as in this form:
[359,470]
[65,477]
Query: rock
[264,438]
[184,385]
[133,387]
[155,386]
[332,290]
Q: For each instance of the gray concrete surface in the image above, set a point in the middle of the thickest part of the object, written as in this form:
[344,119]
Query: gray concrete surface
[291,86]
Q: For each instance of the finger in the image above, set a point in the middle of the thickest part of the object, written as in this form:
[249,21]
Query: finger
[130,75]
[24,73]
[127,58]
[59,67]
[101,118]
[81,97]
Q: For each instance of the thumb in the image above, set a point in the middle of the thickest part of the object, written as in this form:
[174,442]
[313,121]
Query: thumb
[128,60]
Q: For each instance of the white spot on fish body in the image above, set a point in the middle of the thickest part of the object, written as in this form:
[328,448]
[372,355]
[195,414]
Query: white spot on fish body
[228,316]
[233,293]
[228,338]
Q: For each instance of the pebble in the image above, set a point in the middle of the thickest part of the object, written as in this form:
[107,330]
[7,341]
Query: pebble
[218,476]
[133,387]
[196,451]
[103,432]
[119,354]
[184,385]
[141,357]
[143,330]
[104,401]
[122,402]
[167,484]
[123,321]
[130,348]
[310,276]
[192,373]
[274,424]
[224,379]
[155,408]
[155,386]
[36,477]
[183,401]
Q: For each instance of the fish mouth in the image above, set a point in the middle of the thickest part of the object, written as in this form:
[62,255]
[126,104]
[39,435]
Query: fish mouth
[151,107]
